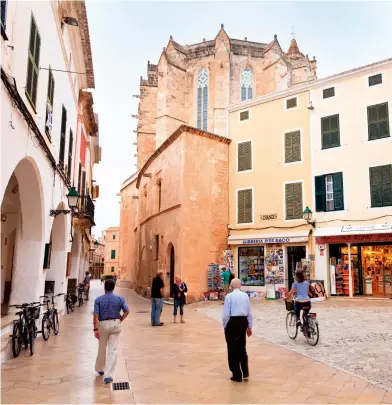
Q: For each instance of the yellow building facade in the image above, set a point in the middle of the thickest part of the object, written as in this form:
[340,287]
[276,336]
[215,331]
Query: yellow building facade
[112,247]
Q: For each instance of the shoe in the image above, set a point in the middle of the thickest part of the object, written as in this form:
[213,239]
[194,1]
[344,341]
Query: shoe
[160,324]
[235,379]
[101,373]
[108,380]
[245,376]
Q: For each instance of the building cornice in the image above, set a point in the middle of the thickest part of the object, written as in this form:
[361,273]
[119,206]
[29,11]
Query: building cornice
[132,178]
[308,86]
[172,138]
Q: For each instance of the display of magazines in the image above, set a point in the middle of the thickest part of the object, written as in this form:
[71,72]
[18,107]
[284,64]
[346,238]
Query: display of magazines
[215,282]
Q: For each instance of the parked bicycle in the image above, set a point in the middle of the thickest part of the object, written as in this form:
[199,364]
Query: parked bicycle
[50,319]
[70,300]
[81,292]
[25,330]
[309,326]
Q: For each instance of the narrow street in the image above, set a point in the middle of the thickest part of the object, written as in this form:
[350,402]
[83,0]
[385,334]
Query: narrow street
[178,363]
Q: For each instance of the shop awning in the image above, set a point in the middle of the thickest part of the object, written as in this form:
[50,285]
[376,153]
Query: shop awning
[354,234]
[267,238]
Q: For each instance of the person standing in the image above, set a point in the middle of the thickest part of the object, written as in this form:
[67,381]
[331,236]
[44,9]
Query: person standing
[179,291]
[107,328]
[237,321]
[226,278]
[86,282]
[157,299]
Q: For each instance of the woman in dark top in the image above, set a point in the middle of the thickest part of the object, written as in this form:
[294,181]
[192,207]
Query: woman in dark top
[179,294]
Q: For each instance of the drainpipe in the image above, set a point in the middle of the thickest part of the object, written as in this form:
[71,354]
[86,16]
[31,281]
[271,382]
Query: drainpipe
[350,275]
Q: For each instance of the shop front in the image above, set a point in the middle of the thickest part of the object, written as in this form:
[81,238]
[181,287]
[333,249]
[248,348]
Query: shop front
[358,264]
[266,263]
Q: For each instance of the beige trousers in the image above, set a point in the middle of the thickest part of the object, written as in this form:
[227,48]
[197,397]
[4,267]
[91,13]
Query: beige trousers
[109,337]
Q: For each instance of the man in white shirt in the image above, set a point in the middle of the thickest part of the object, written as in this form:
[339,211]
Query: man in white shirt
[237,322]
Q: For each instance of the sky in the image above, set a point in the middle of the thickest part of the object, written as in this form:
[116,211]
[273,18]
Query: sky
[126,34]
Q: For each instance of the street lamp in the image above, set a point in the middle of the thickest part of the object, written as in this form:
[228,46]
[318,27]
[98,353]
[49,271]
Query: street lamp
[96,244]
[307,214]
[73,198]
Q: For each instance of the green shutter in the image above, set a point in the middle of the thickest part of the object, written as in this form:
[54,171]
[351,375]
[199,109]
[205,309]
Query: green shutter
[113,254]
[338,195]
[294,205]
[70,150]
[320,193]
[298,205]
[288,148]
[33,62]
[375,186]
[386,185]
[244,156]
[47,255]
[378,121]
[292,144]
[245,209]
[62,135]
[330,132]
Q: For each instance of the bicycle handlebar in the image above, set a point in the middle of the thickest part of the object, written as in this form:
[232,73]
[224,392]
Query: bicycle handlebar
[44,296]
[57,295]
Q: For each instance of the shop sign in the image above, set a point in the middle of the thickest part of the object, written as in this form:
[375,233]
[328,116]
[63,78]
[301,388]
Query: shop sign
[378,237]
[268,217]
[265,241]
[367,228]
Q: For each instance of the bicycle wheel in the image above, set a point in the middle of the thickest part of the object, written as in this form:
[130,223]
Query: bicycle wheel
[312,330]
[16,339]
[25,336]
[56,324]
[31,338]
[291,325]
[45,327]
[80,301]
[67,305]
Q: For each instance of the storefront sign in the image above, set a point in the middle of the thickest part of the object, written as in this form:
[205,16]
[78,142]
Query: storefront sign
[367,228]
[268,217]
[266,241]
[378,237]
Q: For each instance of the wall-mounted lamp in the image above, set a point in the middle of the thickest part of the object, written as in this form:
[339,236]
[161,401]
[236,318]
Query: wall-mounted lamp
[310,106]
[73,198]
[307,214]
[73,22]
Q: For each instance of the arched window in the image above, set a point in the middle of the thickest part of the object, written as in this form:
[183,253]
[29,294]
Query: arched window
[202,99]
[246,85]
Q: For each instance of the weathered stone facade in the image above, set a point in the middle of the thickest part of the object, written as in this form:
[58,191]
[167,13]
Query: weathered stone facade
[179,196]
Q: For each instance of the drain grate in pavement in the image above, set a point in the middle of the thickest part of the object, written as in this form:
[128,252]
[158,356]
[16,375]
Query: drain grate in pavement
[142,312]
[120,386]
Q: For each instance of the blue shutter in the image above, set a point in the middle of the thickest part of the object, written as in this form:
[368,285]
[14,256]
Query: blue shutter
[199,96]
[250,93]
[243,93]
[205,108]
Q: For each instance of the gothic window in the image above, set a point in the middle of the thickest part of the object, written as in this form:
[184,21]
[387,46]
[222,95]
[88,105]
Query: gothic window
[202,99]
[246,85]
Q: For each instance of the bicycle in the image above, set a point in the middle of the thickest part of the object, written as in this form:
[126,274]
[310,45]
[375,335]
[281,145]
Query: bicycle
[70,302]
[309,326]
[24,330]
[50,319]
[81,291]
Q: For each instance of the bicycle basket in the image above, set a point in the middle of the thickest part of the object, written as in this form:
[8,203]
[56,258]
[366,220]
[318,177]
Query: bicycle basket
[289,305]
[35,312]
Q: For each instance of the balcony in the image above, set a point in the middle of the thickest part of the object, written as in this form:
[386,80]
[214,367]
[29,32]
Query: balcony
[84,219]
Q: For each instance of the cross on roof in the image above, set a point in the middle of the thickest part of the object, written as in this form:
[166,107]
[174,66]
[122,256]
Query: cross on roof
[292,32]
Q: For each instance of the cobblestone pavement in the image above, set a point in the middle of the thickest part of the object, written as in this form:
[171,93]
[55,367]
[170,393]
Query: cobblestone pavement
[173,364]
[355,336]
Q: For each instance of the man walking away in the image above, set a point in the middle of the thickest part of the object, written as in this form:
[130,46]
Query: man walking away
[237,322]
[107,328]
[157,299]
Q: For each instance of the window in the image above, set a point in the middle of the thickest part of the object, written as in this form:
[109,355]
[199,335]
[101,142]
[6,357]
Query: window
[327,93]
[62,136]
[246,85]
[156,247]
[33,63]
[70,150]
[294,205]
[330,133]
[4,5]
[113,254]
[112,269]
[49,104]
[245,209]
[202,100]
[244,156]
[159,196]
[80,178]
[244,115]
[329,192]
[381,186]
[378,121]
[114,237]
[292,147]
[291,103]
[83,193]
[48,254]
[374,80]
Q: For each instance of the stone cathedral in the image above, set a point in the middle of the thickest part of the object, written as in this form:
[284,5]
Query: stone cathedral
[174,209]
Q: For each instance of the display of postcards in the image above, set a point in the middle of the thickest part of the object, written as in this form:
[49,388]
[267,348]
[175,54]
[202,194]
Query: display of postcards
[281,252]
[280,262]
[280,281]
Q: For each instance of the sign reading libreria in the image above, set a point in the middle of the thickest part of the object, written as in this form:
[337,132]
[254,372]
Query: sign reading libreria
[266,240]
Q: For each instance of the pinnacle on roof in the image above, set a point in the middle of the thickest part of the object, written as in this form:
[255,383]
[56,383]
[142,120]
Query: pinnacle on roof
[293,51]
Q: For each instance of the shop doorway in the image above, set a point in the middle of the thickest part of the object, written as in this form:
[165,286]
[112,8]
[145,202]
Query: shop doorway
[294,255]
[172,267]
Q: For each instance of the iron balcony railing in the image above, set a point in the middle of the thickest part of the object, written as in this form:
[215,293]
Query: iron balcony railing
[86,207]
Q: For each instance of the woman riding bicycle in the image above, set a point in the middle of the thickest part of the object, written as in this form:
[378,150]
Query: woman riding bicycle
[300,289]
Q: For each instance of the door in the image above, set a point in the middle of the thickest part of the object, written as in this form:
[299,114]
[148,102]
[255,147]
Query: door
[172,264]
[294,255]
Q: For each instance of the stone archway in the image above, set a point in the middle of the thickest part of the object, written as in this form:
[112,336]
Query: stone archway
[22,231]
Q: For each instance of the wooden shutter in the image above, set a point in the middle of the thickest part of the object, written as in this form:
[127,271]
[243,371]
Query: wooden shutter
[62,136]
[386,185]
[80,179]
[374,80]
[243,93]
[33,62]
[291,103]
[4,14]
[294,205]
[84,182]
[50,87]
[244,115]
[338,195]
[327,93]
[320,193]
[47,255]
[375,186]
[245,209]
[68,270]
[292,147]
[330,132]
[244,156]
[70,149]
[378,121]
[113,254]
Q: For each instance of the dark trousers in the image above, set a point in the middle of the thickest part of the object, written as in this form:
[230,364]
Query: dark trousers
[305,306]
[235,334]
